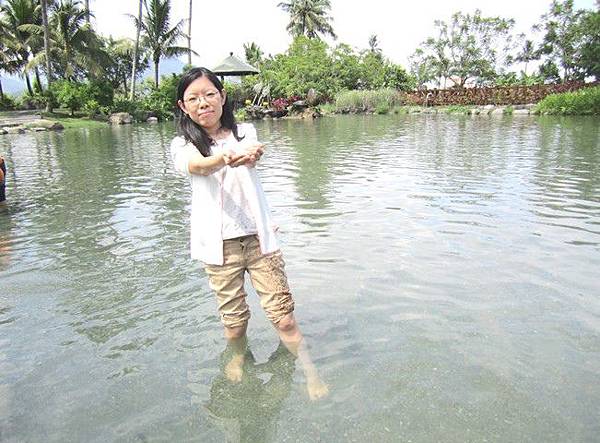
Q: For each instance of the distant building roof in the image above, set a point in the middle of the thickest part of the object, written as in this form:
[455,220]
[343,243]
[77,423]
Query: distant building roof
[234,66]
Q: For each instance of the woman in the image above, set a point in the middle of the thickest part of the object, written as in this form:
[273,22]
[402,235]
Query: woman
[231,227]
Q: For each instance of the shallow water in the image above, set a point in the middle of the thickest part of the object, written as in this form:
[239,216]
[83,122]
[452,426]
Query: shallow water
[445,271]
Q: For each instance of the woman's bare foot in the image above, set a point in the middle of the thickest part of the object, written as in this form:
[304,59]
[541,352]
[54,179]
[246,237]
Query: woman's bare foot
[317,389]
[234,369]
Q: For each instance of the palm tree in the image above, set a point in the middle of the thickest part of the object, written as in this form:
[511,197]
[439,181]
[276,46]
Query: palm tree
[16,16]
[87,11]
[253,54]
[76,49]
[374,44]
[189,35]
[136,51]
[47,50]
[158,35]
[308,17]
[527,53]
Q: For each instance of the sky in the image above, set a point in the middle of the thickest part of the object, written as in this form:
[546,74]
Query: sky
[223,26]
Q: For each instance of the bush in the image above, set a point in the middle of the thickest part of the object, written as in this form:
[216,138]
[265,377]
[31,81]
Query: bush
[582,102]
[92,108]
[7,103]
[70,95]
[367,101]
[35,101]
[238,93]
[161,101]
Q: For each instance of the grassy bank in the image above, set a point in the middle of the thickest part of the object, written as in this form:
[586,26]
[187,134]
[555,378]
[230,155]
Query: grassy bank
[582,102]
[76,122]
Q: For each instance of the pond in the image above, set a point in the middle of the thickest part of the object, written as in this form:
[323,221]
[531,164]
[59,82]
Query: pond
[445,271]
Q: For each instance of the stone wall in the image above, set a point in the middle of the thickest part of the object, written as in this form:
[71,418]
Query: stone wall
[499,95]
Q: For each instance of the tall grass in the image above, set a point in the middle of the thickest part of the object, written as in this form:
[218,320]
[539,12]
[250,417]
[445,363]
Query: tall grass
[378,100]
[584,101]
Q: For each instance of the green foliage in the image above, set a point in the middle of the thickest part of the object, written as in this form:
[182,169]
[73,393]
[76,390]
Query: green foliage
[238,93]
[588,59]
[512,79]
[308,18]
[562,36]
[74,95]
[157,33]
[160,101]
[34,101]
[370,100]
[7,103]
[240,115]
[469,47]
[509,110]
[92,108]
[582,102]
[70,95]
[457,109]
[311,64]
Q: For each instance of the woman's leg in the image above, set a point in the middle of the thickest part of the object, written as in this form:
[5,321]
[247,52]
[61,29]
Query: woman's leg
[270,281]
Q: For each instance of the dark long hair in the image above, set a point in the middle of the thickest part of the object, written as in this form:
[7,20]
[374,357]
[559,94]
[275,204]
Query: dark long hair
[189,129]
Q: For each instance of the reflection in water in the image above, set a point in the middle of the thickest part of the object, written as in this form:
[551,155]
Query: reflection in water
[248,410]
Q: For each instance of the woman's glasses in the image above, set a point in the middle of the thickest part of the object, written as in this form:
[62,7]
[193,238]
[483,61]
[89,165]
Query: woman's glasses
[210,96]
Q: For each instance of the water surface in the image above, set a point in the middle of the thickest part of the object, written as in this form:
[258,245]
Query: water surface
[445,271]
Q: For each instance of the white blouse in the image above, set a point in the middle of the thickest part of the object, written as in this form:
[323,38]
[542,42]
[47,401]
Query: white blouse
[226,204]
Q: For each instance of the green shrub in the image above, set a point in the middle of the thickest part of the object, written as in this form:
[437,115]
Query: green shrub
[582,102]
[367,101]
[382,108]
[238,93]
[161,101]
[457,109]
[70,95]
[92,108]
[7,103]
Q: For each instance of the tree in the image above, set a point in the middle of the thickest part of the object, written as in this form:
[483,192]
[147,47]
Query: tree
[189,34]
[76,50]
[121,60]
[46,29]
[527,52]
[253,54]
[562,38]
[469,47]
[16,16]
[374,44]
[158,35]
[308,18]
[588,59]
[134,70]
[423,68]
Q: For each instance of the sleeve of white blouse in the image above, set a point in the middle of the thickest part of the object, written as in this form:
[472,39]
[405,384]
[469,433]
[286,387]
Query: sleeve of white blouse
[181,153]
[249,132]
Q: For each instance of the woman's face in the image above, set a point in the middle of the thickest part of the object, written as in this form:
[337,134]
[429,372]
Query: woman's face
[203,102]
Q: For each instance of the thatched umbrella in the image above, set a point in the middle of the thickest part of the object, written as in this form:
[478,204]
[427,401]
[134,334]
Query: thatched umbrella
[234,66]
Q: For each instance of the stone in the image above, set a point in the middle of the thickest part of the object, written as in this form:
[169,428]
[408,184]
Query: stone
[497,111]
[14,130]
[489,108]
[521,112]
[120,118]
[152,120]
[37,129]
[311,97]
[3,131]
[43,125]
